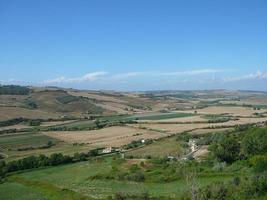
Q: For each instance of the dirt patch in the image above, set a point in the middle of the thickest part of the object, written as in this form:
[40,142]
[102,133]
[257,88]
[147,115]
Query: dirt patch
[201,153]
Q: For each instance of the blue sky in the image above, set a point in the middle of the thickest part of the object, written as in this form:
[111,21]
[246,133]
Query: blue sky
[134,44]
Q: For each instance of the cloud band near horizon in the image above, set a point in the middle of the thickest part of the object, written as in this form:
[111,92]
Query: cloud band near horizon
[98,75]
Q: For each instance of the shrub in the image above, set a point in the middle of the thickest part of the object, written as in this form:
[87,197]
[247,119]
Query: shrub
[226,150]
[259,163]
[255,141]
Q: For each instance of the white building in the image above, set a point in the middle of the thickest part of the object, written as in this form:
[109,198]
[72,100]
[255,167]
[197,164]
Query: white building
[107,150]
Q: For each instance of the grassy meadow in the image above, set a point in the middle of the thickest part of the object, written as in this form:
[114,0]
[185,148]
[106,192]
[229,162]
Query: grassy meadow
[87,180]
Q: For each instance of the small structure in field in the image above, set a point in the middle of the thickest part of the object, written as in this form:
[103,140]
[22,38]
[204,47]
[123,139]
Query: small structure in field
[107,150]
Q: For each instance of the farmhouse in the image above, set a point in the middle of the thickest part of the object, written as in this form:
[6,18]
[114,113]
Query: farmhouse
[107,150]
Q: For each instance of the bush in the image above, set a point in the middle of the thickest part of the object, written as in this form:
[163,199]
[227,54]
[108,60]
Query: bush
[35,122]
[137,177]
[255,141]
[219,166]
[215,191]
[259,163]
[226,150]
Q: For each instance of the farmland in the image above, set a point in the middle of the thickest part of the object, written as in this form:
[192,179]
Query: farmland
[112,144]
[113,136]
[160,148]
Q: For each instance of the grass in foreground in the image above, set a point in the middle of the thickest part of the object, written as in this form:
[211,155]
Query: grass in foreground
[90,180]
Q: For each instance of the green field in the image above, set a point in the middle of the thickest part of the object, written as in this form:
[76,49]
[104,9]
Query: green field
[161,148]
[11,143]
[52,182]
[159,116]
[20,140]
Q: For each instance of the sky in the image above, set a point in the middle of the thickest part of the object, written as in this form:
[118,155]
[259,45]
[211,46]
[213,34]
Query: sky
[134,44]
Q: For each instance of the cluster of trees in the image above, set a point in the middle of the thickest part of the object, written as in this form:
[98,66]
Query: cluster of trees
[31,104]
[219,120]
[250,144]
[32,162]
[14,90]
[31,122]
[65,99]
[246,188]
[11,122]
[34,122]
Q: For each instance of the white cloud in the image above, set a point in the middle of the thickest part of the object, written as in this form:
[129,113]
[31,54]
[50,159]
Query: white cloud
[102,75]
[9,81]
[87,77]
[175,73]
[252,76]
[192,72]
[128,75]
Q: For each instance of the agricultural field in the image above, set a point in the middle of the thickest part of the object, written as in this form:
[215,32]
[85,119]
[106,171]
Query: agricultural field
[160,116]
[21,145]
[115,136]
[179,128]
[69,144]
[230,110]
[160,148]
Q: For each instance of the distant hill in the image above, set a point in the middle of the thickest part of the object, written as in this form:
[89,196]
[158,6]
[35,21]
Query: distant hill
[54,102]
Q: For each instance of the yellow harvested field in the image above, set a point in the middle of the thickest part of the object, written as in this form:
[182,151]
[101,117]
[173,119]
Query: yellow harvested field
[235,111]
[53,123]
[178,128]
[17,126]
[97,96]
[113,107]
[16,112]
[115,136]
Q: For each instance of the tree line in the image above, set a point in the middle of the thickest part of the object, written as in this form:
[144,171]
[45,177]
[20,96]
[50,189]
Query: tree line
[14,90]
[54,159]
[250,145]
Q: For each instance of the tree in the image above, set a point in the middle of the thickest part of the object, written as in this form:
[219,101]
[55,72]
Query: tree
[93,152]
[226,150]
[80,156]
[255,142]
[259,163]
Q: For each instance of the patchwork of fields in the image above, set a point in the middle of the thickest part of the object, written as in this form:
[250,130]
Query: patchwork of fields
[153,132]
[112,136]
